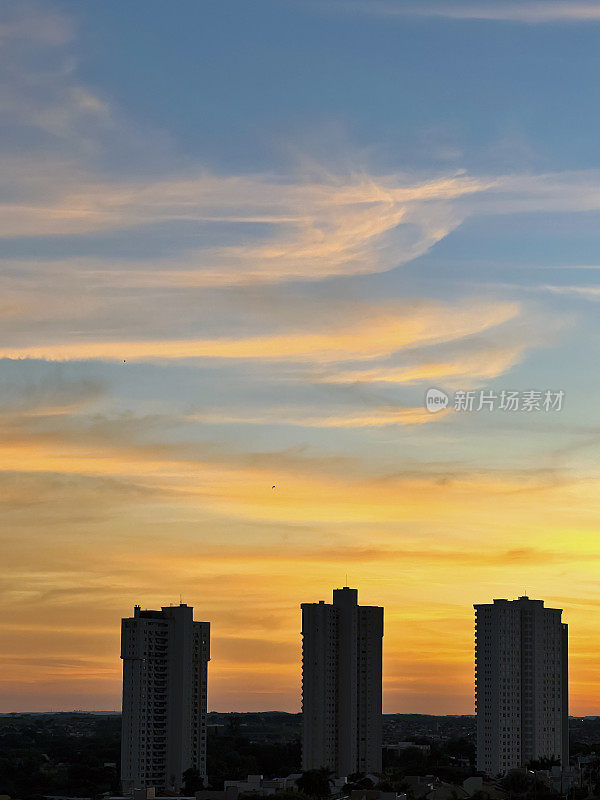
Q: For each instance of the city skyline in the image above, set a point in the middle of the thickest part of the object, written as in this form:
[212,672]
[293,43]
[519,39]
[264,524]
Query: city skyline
[289,290]
[152,615]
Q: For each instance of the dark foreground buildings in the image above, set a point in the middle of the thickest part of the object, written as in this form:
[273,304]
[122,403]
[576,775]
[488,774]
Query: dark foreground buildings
[165,657]
[521,684]
[341,684]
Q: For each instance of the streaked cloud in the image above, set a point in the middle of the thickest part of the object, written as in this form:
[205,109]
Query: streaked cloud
[540,11]
[377,332]
[547,11]
[302,230]
[488,363]
[49,396]
[380,416]
[310,486]
[584,292]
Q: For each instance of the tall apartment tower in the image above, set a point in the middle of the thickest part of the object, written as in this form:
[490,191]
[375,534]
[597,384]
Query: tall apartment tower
[521,684]
[165,658]
[341,684]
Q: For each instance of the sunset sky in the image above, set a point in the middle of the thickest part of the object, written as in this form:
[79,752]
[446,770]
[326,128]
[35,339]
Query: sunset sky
[240,240]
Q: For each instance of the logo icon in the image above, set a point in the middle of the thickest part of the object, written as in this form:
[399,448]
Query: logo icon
[436,400]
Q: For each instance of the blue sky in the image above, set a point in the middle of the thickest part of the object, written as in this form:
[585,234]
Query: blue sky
[227,79]
[240,240]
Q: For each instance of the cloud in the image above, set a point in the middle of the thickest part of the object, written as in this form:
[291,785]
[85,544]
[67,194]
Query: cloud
[584,292]
[331,218]
[49,396]
[381,416]
[347,225]
[542,11]
[548,11]
[228,481]
[33,24]
[296,229]
[44,103]
[410,555]
[378,331]
[489,362]
[58,499]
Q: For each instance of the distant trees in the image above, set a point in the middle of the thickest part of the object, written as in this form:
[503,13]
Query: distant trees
[192,781]
[287,795]
[62,754]
[316,782]
[525,785]
[543,763]
[235,757]
[451,760]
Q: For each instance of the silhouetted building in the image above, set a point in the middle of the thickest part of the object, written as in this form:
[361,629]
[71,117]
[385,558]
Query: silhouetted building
[341,684]
[165,658]
[521,684]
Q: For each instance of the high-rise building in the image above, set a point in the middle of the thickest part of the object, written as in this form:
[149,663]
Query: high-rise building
[165,658]
[521,684]
[341,684]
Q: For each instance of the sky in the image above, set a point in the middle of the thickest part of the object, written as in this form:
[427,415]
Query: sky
[239,242]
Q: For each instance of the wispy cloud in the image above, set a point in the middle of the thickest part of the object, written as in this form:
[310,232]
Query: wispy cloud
[529,12]
[350,225]
[488,362]
[35,25]
[380,332]
[39,90]
[48,397]
[296,229]
[538,11]
[584,292]
[310,486]
[378,417]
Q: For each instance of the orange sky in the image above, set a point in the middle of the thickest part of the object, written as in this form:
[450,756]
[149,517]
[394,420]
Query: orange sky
[98,521]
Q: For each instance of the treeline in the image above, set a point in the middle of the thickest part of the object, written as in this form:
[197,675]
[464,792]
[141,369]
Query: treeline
[233,757]
[52,755]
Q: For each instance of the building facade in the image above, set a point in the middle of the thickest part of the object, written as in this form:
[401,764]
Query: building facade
[165,659]
[341,684]
[521,684]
